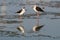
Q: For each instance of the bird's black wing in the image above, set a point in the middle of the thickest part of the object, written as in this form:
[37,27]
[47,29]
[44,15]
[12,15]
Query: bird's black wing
[19,11]
[39,9]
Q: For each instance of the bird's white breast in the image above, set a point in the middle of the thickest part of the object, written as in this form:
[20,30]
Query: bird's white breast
[35,9]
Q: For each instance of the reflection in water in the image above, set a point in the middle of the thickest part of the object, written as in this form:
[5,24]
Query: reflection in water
[10,19]
[37,28]
[9,23]
[38,11]
[21,29]
[20,13]
[16,34]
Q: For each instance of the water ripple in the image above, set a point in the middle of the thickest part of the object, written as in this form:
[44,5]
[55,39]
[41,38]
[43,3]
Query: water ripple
[10,21]
[16,34]
[18,16]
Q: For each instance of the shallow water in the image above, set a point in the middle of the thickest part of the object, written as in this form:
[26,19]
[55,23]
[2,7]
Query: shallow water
[9,21]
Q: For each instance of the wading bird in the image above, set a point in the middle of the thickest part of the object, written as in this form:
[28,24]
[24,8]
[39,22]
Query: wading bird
[38,10]
[22,11]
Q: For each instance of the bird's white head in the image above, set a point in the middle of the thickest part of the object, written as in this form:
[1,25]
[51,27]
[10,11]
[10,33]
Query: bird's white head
[24,8]
[34,6]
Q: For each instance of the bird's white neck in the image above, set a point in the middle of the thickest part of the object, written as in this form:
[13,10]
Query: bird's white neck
[23,11]
[35,6]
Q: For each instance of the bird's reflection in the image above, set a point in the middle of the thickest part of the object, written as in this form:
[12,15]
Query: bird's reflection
[37,28]
[21,29]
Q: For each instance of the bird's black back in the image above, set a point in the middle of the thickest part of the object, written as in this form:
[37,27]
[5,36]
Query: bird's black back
[39,9]
[19,11]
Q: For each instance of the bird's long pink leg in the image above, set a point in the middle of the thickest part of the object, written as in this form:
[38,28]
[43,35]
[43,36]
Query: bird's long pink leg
[37,19]
[20,18]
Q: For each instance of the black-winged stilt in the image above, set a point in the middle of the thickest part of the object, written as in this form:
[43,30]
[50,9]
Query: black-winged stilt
[37,9]
[22,11]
